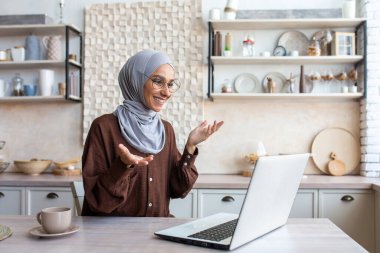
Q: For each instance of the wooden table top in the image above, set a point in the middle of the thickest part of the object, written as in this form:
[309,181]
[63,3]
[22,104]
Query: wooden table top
[127,234]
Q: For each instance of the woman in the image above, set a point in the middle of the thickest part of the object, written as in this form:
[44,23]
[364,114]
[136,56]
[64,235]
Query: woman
[131,164]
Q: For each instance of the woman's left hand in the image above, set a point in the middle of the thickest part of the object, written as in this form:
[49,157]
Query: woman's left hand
[201,133]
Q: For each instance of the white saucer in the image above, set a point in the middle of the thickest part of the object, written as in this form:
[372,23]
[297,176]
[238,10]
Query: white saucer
[40,232]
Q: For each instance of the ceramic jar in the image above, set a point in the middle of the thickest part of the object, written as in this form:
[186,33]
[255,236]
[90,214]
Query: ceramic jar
[32,44]
[53,47]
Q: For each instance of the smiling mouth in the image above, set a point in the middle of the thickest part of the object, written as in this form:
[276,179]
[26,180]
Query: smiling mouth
[159,100]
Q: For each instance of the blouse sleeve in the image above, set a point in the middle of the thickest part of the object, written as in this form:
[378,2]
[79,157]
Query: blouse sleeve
[183,173]
[105,177]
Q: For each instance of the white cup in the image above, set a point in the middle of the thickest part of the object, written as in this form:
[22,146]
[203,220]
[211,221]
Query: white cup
[18,53]
[265,54]
[55,220]
[214,14]
[46,81]
[294,53]
[353,89]
[349,9]
[2,88]
[344,89]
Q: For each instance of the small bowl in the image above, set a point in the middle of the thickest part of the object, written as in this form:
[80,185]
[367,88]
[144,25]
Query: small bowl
[33,167]
[67,164]
[3,166]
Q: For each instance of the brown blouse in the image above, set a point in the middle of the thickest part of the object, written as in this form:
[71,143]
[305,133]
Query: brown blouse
[113,189]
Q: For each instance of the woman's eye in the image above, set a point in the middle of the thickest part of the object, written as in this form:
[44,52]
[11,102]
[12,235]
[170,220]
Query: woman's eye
[170,85]
[156,80]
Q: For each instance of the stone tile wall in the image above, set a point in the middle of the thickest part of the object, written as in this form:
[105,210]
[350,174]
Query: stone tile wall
[114,32]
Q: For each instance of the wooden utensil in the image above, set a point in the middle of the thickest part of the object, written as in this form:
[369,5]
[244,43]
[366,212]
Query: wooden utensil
[336,167]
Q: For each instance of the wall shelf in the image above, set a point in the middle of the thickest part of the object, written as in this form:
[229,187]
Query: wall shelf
[251,24]
[71,41]
[291,97]
[286,59]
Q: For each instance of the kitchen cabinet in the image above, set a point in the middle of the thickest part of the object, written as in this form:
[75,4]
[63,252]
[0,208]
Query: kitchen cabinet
[305,204]
[186,207]
[38,198]
[212,201]
[352,211]
[219,67]
[68,70]
[30,200]
[377,219]
[12,200]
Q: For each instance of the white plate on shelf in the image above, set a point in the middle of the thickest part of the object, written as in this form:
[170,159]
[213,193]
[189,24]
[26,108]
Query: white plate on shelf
[278,78]
[294,40]
[247,83]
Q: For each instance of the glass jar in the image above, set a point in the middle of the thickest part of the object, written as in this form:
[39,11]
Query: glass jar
[314,48]
[249,47]
[226,86]
[17,83]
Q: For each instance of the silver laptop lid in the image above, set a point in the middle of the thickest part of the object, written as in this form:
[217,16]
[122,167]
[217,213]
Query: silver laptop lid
[270,196]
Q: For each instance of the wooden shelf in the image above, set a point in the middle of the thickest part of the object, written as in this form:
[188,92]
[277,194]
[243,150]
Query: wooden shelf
[286,59]
[338,97]
[36,64]
[33,99]
[265,24]
[21,30]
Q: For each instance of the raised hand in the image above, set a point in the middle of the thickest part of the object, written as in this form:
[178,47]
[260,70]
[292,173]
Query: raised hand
[201,133]
[130,159]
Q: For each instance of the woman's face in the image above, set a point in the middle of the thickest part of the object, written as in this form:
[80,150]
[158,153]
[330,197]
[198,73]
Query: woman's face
[155,98]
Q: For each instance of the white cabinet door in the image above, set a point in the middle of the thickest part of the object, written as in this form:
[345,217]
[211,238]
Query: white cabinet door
[352,211]
[12,200]
[215,201]
[377,217]
[42,197]
[305,204]
[186,207]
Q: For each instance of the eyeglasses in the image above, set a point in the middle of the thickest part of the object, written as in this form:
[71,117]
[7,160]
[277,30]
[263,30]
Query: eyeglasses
[159,83]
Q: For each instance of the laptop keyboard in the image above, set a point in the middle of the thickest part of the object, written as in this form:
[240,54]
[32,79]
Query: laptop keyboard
[217,233]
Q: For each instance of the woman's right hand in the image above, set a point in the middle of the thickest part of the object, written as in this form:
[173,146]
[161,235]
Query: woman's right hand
[130,159]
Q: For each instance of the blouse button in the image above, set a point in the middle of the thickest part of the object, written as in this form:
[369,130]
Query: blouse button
[150,204]
[150,179]
[188,156]
[185,164]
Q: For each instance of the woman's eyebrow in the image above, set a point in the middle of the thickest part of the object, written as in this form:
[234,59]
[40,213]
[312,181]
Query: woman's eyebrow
[163,77]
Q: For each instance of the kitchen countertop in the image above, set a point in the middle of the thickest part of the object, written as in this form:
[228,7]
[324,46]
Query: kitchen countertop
[132,234]
[205,181]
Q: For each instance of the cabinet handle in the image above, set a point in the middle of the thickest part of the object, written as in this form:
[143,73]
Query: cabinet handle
[347,198]
[2,195]
[228,199]
[52,195]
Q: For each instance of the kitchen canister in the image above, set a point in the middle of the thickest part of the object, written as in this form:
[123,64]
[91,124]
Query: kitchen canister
[53,47]
[32,46]
[18,53]
[46,81]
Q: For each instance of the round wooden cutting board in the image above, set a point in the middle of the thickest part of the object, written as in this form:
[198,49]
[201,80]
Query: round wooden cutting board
[342,143]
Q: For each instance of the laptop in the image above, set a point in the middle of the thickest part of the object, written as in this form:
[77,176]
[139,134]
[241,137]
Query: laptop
[267,204]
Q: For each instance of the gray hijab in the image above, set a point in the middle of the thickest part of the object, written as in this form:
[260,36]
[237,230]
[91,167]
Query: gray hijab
[141,127]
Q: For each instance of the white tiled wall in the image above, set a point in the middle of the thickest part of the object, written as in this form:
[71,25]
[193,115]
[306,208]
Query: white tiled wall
[370,107]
